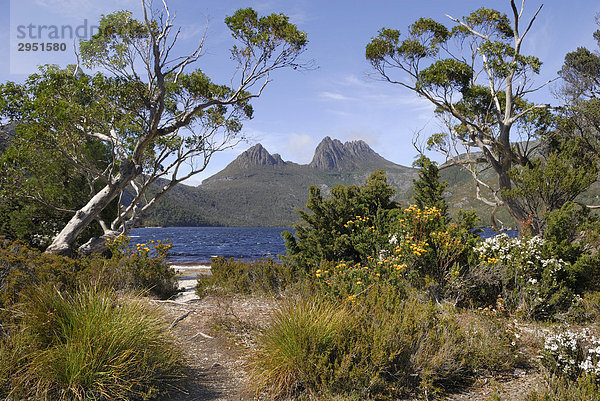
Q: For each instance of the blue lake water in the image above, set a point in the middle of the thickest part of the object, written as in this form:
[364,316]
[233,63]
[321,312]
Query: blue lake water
[197,245]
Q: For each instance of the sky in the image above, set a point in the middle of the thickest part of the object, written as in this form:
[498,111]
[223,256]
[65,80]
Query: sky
[340,97]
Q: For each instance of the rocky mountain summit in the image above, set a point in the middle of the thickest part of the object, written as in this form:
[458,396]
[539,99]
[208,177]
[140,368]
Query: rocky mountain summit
[257,155]
[331,154]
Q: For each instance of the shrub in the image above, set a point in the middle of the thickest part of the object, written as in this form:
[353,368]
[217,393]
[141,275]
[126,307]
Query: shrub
[87,345]
[422,249]
[22,267]
[533,280]
[263,276]
[325,232]
[389,343]
[586,308]
[572,354]
[142,268]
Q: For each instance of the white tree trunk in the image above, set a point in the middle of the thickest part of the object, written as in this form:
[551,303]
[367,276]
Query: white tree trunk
[64,241]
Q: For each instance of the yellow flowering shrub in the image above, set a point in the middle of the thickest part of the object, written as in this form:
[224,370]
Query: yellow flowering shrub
[140,267]
[421,244]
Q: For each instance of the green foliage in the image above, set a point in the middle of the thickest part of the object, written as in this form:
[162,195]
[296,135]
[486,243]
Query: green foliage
[532,279]
[266,32]
[326,233]
[546,184]
[387,346]
[22,267]
[141,269]
[87,345]
[40,188]
[444,75]
[114,43]
[256,277]
[580,71]
[428,188]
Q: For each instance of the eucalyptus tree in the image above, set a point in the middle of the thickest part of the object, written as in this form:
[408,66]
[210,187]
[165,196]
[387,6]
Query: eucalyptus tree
[477,77]
[580,90]
[157,116]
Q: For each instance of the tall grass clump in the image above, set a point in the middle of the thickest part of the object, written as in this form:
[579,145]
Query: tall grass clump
[300,348]
[87,345]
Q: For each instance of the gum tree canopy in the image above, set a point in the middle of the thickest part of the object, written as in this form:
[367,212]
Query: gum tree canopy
[478,79]
[152,118]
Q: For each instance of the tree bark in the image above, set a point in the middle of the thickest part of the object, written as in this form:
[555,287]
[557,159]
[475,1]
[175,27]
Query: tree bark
[63,243]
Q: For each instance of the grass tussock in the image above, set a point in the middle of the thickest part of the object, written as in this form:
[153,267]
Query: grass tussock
[89,345]
[298,348]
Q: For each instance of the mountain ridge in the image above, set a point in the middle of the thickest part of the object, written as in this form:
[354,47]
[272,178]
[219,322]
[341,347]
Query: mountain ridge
[261,189]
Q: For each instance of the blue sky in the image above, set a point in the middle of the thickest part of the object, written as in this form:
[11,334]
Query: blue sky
[340,98]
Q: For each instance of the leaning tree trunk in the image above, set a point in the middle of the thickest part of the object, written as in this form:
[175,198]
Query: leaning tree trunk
[65,240]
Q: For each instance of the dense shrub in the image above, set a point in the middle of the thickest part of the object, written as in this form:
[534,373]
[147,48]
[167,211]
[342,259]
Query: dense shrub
[387,345]
[22,267]
[265,276]
[533,280]
[88,345]
[326,232]
[422,248]
[140,268]
[572,354]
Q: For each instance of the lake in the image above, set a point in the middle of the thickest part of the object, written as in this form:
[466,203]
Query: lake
[197,245]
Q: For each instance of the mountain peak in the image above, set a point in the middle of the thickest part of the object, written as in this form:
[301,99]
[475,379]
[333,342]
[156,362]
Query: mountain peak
[257,155]
[331,154]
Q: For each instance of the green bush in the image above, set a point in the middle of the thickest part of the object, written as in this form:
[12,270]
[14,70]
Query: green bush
[534,281]
[390,343]
[263,276]
[422,248]
[142,268]
[22,267]
[332,231]
[90,345]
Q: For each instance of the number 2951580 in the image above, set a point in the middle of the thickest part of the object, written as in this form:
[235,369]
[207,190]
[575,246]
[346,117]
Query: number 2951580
[41,47]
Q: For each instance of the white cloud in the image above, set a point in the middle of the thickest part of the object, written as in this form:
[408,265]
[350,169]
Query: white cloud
[301,147]
[334,96]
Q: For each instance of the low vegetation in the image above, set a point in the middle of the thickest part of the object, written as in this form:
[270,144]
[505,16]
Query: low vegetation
[88,344]
[264,277]
[389,345]
[70,330]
